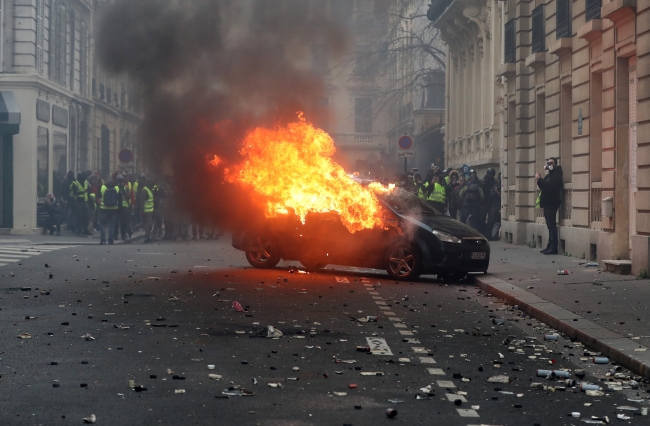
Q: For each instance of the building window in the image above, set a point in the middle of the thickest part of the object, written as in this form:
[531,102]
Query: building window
[592,9]
[435,90]
[563,19]
[83,60]
[363,115]
[538,29]
[40,35]
[510,44]
[101,91]
[57,50]
[362,60]
[320,58]
[42,162]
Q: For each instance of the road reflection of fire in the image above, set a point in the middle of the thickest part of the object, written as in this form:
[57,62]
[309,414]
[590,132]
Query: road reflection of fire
[290,167]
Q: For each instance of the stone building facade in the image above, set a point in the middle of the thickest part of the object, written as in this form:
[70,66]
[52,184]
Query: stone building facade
[472,34]
[67,114]
[575,79]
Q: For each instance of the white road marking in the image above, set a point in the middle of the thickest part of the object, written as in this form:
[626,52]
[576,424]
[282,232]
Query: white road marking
[467,413]
[374,293]
[412,341]
[419,350]
[376,298]
[381,302]
[16,255]
[436,372]
[405,333]
[384,307]
[378,346]
[342,280]
[389,313]
[12,254]
[399,325]
[395,319]
[445,383]
[427,360]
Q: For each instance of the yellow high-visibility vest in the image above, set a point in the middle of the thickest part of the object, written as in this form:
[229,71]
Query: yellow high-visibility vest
[148,205]
[438,194]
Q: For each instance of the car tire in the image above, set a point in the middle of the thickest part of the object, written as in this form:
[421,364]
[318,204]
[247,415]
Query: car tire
[403,262]
[262,251]
[312,266]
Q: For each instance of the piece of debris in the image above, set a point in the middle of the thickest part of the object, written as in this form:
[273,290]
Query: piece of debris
[238,307]
[214,376]
[90,419]
[179,391]
[24,336]
[499,379]
[88,337]
[273,333]
[391,413]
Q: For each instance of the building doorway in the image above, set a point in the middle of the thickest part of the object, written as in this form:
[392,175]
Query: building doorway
[632,148]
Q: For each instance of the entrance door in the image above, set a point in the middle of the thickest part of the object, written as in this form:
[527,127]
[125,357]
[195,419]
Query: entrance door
[633,148]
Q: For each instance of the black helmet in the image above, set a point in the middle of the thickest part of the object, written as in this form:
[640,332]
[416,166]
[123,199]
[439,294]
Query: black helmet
[491,172]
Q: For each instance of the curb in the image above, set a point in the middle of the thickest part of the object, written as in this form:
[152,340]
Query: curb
[87,243]
[612,345]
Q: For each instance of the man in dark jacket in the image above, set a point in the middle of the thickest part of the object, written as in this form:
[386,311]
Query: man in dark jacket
[472,196]
[550,199]
[55,212]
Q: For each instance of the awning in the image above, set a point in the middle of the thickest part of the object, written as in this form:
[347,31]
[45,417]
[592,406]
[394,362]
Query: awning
[9,113]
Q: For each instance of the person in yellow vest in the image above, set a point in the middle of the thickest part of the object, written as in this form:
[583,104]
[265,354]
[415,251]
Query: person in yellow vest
[79,192]
[437,197]
[109,206]
[123,224]
[145,199]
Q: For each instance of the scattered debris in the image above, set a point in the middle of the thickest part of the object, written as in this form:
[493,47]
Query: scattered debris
[273,333]
[90,419]
[499,379]
[24,336]
[88,337]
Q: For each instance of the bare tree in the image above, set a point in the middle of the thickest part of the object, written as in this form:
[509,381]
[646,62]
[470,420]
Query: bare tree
[399,50]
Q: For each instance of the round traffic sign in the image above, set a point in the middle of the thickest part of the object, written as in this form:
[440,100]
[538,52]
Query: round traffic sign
[405,142]
[125,155]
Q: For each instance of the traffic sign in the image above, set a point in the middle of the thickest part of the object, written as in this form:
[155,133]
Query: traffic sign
[406,154]
[125,156]
[405,142]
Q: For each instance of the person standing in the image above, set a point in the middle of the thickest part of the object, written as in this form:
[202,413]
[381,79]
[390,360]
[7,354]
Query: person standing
[550,198]
[124,212]
[494,214]
[158,210]
[67,200]
[472,196]
[55,211]
[79,190]
[449,191]
[486,185]
[109,211]
[437,195]
[146,200]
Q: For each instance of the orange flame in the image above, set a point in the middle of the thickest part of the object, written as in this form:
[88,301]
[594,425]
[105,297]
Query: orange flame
[290,168]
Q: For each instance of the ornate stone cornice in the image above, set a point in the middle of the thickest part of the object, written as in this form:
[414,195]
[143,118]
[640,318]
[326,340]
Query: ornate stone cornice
[465,23]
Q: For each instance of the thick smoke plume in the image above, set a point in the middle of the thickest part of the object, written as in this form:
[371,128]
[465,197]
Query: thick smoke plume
[208,71]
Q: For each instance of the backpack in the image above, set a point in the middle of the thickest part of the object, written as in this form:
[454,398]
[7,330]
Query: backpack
[110,197]
[472,193]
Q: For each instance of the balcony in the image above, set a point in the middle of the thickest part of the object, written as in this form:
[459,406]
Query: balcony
[437,8]
[359,140]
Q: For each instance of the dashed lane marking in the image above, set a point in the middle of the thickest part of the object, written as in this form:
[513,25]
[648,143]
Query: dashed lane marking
[399,325]
[405,333]
[445,383]
[381,302]
[389,313]
[378,346]
[436,372]
[374,293]
[427,360]
[395,319]
[467,412]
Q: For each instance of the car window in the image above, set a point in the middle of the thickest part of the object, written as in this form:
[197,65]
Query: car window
[406,203]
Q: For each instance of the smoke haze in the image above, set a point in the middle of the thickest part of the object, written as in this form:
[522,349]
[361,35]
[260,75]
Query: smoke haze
[206,72]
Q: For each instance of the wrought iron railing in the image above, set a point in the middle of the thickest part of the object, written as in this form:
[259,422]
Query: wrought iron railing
[596,205]
[592,9]
[565,207]
[538,29]
[437,8]
[563,18]
[510,42]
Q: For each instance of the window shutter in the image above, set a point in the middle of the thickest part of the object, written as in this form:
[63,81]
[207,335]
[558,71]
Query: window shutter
[40,34]
[592,9]
[538,29]
[51,51]
[83,60]
[563,19]
[510,43]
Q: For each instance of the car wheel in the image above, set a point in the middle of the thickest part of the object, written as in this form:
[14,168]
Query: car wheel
[312,266]
[262,251]
[404,262]
[452,276]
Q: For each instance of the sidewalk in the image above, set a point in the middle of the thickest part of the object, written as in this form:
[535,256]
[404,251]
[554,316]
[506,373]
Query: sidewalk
[67,238]
[609,313]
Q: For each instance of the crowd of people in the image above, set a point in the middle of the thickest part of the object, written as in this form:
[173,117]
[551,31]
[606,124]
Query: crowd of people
[463,196]
[116,205]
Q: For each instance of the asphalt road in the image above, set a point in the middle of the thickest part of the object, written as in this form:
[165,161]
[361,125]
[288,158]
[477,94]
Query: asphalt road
[161,314]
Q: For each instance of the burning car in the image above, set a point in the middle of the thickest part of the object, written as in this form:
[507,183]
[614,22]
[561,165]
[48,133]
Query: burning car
[412,239]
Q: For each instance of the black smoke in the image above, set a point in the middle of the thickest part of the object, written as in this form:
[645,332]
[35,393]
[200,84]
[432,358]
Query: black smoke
[198,63]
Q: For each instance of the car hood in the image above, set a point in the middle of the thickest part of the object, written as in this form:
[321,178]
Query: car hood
[446,224]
